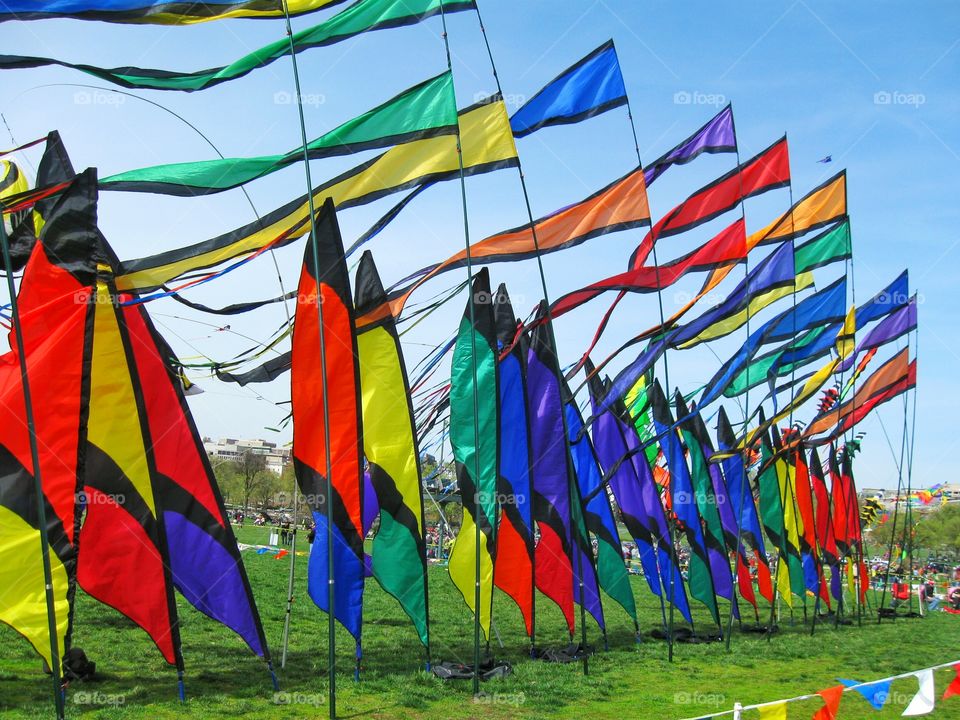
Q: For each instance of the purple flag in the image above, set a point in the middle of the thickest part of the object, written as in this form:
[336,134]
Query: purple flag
[554,571]
[893,326]
[717,136]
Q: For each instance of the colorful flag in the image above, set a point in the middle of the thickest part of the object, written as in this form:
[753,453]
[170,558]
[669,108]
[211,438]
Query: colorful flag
[683,503]
[487,146]
[589,87]
[424,111]
[393,459]
[53,169]
[727,246]
[694,435]
[716,136]
[892,378]
[158,12]
[474,436]
[611,572]
[768,170]
[513,572]
[747,520]
[325,286]
[823,307]
[361,17]
[621,205]
[552,510]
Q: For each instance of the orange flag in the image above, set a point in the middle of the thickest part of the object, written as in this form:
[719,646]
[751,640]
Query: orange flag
[831,699]
[954,688]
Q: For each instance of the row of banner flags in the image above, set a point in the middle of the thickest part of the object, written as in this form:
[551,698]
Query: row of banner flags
[876,692]
[541,477]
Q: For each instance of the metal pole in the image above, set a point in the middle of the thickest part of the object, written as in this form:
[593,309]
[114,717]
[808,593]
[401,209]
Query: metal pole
[331,582]
[37,482]
[478,536]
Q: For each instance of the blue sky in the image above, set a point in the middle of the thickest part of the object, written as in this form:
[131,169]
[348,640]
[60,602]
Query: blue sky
[871,84]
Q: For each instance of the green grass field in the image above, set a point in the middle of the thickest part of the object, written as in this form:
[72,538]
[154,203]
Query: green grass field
[224,680]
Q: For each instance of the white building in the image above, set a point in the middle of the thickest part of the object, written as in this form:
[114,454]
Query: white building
[230,449]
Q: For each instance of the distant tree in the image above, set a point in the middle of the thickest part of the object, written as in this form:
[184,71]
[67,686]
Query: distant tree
[252,473]
[939,531]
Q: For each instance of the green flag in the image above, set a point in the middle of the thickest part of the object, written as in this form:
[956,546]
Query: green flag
[361,17]
[425,110]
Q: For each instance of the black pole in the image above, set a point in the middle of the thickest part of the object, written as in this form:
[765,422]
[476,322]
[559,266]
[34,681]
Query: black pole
[331,581]
[478,536]
[37,481]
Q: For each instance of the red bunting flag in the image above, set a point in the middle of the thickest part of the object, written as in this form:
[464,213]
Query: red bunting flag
[954,687]
[831,703]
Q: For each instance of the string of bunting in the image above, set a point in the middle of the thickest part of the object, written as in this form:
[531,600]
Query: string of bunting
[876,692]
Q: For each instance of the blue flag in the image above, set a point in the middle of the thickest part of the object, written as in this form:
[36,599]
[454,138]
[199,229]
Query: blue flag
[875,693]
[589,87]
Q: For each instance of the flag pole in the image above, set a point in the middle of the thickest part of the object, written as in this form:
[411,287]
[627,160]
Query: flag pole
[548,318]
[745,453]
[896,508]
[671,523]
[37,481]
[290,578]
[331,581]
[478,535]
[792,487]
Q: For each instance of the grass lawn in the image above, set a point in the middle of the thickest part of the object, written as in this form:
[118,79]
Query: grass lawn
[224,680]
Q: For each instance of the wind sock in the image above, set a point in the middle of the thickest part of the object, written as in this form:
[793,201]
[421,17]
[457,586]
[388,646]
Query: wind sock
[390,445]
[324,282]
[514,568]
[474,435]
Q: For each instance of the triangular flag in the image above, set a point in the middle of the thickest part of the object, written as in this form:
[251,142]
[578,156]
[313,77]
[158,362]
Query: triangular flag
[954,688]
[875,693]
[831,703]
[922,702]
[777,711]
[281,554]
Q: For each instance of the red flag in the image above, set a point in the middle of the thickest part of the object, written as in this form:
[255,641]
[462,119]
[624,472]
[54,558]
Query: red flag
[831,699]
[954,687]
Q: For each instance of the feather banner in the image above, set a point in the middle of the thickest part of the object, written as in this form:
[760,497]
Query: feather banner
[393,458]
[339,516]
[474,436]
